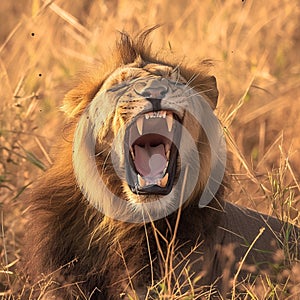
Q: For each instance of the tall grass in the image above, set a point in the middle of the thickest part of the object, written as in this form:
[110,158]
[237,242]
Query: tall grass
[255,48]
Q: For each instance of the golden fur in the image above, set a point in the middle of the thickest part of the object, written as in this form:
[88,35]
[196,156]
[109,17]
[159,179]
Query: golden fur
[87,254]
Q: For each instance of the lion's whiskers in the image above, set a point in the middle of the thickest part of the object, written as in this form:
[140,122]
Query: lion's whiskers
[192,79]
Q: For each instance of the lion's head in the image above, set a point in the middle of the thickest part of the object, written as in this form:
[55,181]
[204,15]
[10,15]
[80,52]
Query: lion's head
[140,134]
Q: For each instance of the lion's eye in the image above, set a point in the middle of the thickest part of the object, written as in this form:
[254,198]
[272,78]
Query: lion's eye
[117,87]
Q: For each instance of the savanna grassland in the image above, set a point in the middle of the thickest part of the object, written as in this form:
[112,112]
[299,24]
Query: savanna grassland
[255,49]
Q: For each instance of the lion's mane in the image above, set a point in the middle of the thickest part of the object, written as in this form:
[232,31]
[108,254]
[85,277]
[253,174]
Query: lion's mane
[79,252]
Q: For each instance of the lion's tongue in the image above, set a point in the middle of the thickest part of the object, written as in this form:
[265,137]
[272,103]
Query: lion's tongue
[150,161]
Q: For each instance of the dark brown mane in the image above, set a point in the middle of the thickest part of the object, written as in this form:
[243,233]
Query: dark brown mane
[129,49]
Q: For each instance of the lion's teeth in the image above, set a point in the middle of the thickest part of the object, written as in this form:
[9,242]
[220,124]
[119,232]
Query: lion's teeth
[167,150]
[165,169]
[160,182]
[139,125]
[169,121]
[141,181]
[156,114]
[132,153]
[164,180]
[167,147]
[168,155]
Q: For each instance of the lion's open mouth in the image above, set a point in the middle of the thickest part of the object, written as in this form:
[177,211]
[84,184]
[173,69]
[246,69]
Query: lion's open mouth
[151,152]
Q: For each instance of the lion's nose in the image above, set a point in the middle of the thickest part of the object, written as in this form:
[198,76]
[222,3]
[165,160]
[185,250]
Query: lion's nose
[153,90]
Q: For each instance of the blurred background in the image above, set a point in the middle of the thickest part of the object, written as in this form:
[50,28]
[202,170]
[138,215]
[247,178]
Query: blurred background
[255,47]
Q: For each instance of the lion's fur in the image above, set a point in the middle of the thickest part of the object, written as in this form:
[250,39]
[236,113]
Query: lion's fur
[86,253]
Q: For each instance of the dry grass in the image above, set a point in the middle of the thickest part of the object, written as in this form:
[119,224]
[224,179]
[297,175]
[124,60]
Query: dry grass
[256,49]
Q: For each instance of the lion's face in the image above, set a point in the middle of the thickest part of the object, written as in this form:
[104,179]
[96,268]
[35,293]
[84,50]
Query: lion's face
[146,122]
[149,109]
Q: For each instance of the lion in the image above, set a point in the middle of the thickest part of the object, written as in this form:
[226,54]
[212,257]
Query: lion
[129,208]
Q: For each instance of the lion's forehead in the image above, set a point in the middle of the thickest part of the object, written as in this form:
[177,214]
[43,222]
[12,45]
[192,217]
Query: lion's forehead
[129,74]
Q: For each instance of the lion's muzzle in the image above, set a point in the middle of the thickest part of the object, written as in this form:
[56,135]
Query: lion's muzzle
[153,90]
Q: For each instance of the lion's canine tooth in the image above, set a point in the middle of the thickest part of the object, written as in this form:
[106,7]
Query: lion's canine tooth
[141,181]
[169,121]
[139,125]
[164,180]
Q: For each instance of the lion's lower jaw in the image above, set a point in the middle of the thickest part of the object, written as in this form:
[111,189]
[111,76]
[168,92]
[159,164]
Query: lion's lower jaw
[155,207]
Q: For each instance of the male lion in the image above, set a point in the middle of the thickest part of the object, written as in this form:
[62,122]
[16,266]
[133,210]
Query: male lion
[121,212]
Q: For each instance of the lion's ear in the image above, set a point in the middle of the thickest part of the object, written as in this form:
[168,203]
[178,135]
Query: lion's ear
[73,104]
[210,89]
[76,100]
